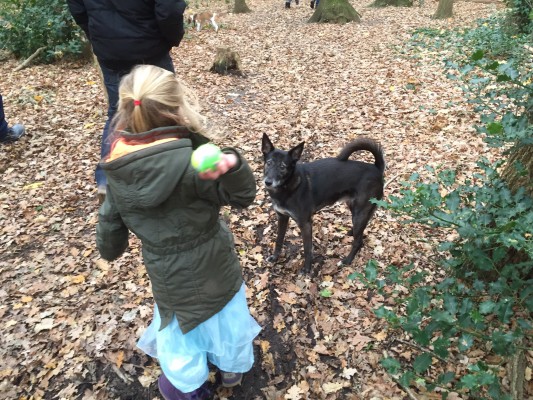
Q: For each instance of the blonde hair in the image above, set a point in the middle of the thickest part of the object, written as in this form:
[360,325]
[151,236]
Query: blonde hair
[151,97]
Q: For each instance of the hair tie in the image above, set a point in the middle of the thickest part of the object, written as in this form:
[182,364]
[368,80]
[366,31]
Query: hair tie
[136,102]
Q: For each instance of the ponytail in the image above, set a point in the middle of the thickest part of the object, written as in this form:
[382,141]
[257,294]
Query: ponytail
[151,97]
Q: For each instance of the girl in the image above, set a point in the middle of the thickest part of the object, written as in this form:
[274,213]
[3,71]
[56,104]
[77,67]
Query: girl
[200,312]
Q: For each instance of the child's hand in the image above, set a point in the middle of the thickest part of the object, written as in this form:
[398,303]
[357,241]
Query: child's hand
[227,162]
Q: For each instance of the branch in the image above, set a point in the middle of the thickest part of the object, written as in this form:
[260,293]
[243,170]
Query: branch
[28,60]
[391,180]
[409,392]
[422,349]
[121,374]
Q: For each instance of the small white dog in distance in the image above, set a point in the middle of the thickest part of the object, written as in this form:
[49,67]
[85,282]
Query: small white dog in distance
[200,19]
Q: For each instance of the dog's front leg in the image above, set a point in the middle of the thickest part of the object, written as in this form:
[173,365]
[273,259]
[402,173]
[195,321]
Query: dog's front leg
[307,236]
[283,223]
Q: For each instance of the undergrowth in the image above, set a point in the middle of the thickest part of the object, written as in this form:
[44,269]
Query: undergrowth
[485,298]
[28,25]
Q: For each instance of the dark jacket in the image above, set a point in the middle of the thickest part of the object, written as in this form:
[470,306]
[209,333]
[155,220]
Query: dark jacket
[188,251]
[126,33]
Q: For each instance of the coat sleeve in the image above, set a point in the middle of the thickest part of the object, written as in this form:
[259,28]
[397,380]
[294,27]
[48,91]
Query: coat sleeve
[169,16]
[236,187]
[111,233]
[79,13]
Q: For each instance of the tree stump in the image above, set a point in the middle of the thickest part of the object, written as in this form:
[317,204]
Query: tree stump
[226,62]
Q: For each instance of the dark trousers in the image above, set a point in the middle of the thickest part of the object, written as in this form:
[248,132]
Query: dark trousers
[3,122]
[111,81]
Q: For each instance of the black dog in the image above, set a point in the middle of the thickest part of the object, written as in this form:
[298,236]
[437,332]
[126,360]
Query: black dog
[299,190]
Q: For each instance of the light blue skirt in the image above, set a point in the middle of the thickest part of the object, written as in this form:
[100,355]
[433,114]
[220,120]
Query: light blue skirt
[225,340]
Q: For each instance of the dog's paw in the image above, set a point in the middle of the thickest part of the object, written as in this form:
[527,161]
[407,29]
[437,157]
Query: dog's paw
[305,270]
[273,258]
[347,260]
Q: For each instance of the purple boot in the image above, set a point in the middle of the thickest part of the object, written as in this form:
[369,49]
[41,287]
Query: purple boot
[169,392]
[231,379]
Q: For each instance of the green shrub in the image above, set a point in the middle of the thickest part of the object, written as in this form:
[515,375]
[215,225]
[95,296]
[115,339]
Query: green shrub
[521,15]
[28,25]
[492,34]
[484,298]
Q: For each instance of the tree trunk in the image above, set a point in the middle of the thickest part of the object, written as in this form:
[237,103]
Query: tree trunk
[518,171]
[336,11]
[516,368]
[240,7]
[444,10]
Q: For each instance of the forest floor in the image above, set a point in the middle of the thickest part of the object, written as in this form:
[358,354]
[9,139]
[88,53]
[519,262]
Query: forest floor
[70,320]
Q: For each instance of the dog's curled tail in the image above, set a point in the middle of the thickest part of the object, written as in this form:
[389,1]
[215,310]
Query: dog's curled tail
[364,144]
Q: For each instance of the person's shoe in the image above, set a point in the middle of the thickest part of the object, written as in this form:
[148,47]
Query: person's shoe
[287,4]
[14,133]
[231,379]
[312,4]
[169,392]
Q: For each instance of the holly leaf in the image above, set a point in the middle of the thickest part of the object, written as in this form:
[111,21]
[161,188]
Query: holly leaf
[422,363]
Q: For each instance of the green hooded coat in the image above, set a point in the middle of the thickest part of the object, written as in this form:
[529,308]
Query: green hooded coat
[188,251]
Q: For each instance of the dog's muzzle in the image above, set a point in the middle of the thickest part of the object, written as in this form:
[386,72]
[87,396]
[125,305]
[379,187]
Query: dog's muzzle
[271,184]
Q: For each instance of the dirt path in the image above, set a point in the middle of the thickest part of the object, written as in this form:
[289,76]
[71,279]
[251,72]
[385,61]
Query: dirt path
[70,320]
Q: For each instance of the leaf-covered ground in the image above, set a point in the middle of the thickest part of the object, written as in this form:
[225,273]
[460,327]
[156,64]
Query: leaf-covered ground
[70,320]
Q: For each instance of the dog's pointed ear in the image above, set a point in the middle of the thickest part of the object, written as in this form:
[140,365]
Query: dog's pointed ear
[266,145]
[296,152]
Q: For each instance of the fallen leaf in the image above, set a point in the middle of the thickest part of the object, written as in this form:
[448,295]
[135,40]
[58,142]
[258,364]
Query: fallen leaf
[380,336]
[294,393]
[332,387]
[45,324]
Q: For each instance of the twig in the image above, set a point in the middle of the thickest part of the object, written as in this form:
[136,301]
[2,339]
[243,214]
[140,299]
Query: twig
[121,374]
[391,180]
[28,60]
[420,348]
[411,394]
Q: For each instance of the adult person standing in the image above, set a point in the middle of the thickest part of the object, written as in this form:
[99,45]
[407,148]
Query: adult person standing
[124,34]
[9,134]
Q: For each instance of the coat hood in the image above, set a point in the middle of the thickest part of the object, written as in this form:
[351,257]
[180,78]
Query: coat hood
[150,168]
